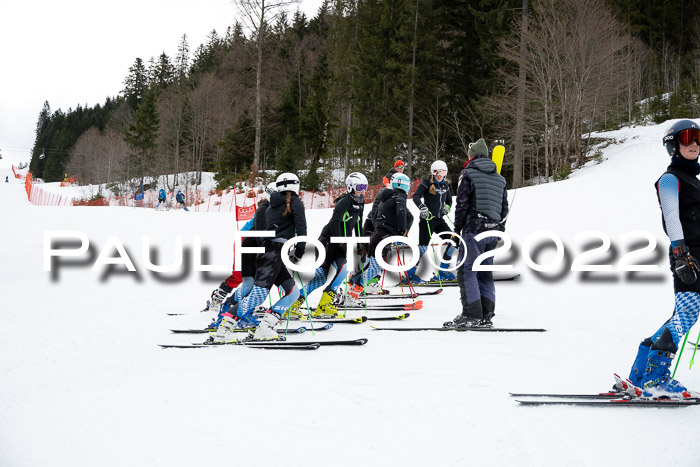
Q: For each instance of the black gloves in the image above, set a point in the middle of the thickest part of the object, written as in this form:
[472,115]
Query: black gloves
[295,256]
[424,211]
[685,266]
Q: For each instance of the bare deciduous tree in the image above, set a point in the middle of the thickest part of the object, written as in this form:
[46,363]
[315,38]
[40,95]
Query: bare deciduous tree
[576,57]
[258,14]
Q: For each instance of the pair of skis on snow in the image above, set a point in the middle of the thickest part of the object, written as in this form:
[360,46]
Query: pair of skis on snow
[454,283]
[625,394]
[270,345]
[604,399]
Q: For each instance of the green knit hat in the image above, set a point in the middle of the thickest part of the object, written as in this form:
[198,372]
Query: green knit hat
[478,148]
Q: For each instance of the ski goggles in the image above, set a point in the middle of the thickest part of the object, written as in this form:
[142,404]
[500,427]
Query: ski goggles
[687,136]
[361,188]
[440,172]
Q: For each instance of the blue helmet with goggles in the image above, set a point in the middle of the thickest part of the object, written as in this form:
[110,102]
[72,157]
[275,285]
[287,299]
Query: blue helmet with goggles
[682,132]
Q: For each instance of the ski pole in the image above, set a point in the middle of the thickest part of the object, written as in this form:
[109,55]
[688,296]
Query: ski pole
[306,300]
[680,354]
[692,359]
[430,234]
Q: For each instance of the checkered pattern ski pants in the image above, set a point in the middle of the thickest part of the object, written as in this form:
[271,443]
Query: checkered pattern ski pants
[684,316]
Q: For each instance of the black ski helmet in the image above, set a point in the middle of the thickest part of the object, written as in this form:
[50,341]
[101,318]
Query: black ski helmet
[670,136]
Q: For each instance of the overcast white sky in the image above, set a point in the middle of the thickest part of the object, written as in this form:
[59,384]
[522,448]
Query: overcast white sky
[71,52]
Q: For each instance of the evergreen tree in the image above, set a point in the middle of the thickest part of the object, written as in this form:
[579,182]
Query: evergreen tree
[162,73]
[141,135]
[135,84]
[182,59]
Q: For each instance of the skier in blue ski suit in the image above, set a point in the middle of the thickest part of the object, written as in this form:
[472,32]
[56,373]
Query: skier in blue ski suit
[678,191]
[161,197]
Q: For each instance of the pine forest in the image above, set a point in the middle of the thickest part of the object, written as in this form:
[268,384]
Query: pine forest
[366,82]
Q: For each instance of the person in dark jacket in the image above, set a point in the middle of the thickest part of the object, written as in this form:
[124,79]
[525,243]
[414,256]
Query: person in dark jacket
[392,218]
[678,192]
[397,168]
[286,217]
[345,220]
[482,205]
[243,280]
[433,198]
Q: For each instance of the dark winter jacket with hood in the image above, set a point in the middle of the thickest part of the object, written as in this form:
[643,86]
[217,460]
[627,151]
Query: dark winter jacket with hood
[392,214]
[285,227]
[346,214]
[434,202]
[260,219]
[482,199]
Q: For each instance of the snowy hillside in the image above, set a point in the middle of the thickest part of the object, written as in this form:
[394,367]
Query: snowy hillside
[83,383]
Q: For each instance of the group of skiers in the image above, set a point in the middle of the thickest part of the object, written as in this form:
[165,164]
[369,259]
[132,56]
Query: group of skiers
[481,205]
[179,199]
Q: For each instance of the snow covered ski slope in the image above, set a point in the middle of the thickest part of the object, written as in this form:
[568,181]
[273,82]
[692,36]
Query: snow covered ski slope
[83,381]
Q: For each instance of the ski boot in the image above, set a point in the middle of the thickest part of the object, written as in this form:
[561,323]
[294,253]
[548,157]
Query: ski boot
[373,286]
[636,376]
[327,307]
[354,296]
[488,309]
[345,298]
[411,279]
[217,298]
[444,276]
[266,329]
[461,321]
[658,383]
[226,333]
[230,307]
[293,311]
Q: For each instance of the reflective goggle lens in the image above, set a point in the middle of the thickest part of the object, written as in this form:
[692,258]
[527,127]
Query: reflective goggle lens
[360,188]
[440,172]
[686,137]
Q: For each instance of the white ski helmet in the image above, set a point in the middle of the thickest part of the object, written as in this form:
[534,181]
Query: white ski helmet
[438,165]
[401,182]
[356,182]
[269,189]
[288,182]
